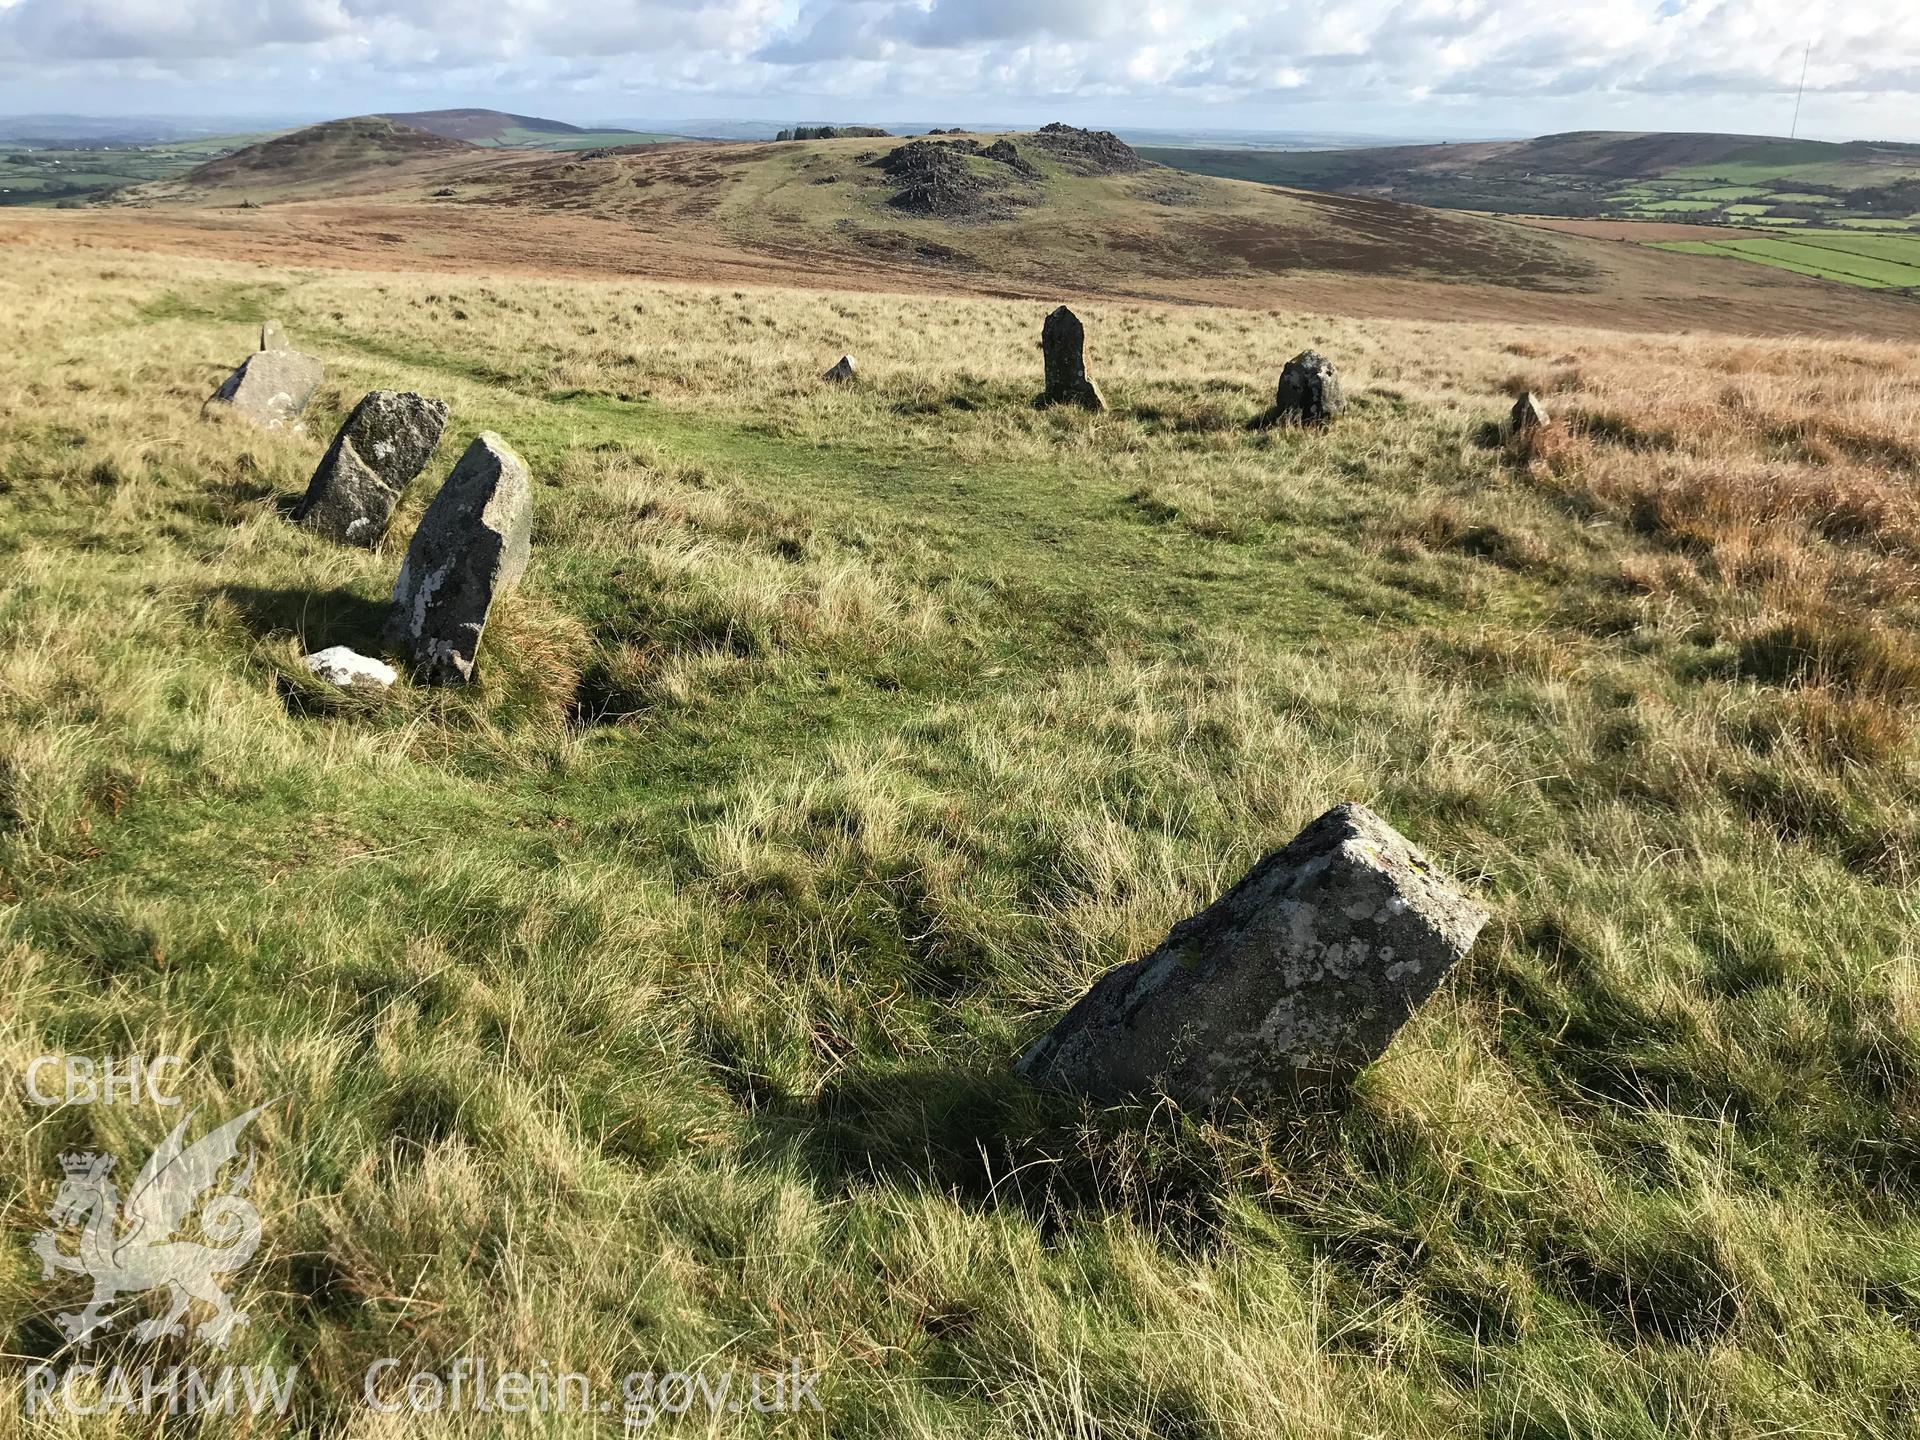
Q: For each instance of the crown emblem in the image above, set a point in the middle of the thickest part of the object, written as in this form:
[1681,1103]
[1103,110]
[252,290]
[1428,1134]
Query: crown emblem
[85,1164]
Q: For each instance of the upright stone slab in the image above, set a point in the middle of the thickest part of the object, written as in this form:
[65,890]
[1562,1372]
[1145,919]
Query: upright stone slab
[1529,413]
[386,441]
[1063,345]
[842,372]
[271,387]
[1309,390]
[272,337]
[471,548]
[1298,976]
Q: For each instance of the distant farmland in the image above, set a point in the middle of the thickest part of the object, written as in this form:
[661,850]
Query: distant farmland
[1877,261]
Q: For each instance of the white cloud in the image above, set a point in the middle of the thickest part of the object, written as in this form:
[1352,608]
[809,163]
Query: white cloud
[1238,56]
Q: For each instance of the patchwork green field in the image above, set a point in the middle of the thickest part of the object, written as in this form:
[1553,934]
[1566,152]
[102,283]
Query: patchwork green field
[649,1003]
[1878,261]
[50,176]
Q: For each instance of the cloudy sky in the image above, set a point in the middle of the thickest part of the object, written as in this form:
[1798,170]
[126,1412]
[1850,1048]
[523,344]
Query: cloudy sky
[1402,67]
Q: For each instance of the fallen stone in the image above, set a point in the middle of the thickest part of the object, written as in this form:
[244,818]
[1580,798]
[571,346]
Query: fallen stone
[386,441]
[1309,390]
[471,548]
[349,669]
[842,371]
[1063,346]
[1529,413]
[271,387]
[272,337]
[1296,978]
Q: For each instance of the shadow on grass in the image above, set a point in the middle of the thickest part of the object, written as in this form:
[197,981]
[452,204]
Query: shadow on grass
[318,618]
[993,1142]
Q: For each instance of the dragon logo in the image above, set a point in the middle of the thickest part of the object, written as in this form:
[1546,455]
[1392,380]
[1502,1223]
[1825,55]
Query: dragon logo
[130,1247]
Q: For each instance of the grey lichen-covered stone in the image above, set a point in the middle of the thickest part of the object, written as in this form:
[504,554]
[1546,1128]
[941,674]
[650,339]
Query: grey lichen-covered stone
[1309,390]
[1063,347]
[1529,413]
[1295,978]
[386,441]
[271,387]
[471,548]
[842,371]
[272,337]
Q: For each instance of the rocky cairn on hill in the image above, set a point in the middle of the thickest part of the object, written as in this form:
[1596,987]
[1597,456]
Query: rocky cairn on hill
[1063,349]
[471,548]
[386,441]
[1291,982]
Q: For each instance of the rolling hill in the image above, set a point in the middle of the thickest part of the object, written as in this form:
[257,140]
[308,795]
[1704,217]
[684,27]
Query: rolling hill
[1863,197]
[521,132]
[1055,211]
[1615,174]
[325,158]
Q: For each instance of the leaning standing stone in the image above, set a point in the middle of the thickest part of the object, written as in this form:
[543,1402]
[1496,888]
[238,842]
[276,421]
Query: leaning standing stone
[842,371]
[271,387]
[1063,346]
[386,441]
[1297,976]
[1309,390]
[272,337]
[471,548]
[1529,413]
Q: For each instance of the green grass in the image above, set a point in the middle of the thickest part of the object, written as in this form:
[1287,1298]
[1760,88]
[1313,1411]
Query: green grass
[651,1002]
[1874,261]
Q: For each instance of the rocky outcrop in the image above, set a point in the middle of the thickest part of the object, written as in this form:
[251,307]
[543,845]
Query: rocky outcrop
[1091,152]
[1294,979]
[386,441]
[471,548]
[1063,347]
[932,177]
[271,387]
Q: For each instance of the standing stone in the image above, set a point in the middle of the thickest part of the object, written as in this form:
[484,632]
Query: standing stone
[471,548]
[271,387]
[842,372]
[1063,344]
[1529,413]
[1309,390]
[1298,976]
[386,441]
[272,337]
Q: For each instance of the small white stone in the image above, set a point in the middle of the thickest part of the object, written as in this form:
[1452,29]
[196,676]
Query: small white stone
[337,665]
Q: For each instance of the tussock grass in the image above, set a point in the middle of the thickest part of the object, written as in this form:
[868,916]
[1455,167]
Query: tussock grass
[649,1003]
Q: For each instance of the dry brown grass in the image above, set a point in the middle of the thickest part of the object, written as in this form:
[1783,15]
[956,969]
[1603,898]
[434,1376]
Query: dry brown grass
[1775,489]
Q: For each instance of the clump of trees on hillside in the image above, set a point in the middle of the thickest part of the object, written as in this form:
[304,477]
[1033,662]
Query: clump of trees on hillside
[832,132]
